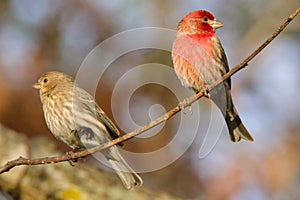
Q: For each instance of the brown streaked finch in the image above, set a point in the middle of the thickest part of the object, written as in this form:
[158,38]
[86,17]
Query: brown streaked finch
[73,117]
[199,61]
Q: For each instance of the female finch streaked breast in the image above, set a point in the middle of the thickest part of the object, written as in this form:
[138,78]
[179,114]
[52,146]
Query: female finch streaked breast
[199,61]
[73,117]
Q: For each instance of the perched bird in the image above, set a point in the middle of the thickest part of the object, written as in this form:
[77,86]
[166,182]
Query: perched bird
[73,117]
[199,61]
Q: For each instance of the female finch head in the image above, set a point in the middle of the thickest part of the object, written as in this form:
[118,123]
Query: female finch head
[51,80]
[198,22]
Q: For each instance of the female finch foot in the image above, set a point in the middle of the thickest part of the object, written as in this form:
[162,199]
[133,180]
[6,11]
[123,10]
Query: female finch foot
[69,157]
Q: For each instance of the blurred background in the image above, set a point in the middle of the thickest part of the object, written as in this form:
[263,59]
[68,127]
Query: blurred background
[38,36]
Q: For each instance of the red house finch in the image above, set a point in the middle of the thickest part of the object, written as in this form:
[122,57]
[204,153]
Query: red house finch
[75,119]
[199,61]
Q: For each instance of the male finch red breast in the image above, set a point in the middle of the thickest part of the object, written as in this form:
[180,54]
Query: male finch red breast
[73,117]
[199,61]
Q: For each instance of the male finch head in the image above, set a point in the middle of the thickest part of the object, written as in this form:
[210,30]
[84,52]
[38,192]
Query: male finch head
[198,22]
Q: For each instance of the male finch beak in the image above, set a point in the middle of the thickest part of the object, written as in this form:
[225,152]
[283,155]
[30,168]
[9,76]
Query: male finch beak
[37,86]
[215,24]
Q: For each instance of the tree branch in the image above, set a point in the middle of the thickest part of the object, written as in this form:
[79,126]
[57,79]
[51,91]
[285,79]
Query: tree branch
[70,156]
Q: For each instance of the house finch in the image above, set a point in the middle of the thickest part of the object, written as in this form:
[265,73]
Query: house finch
[74,118]
[199,61]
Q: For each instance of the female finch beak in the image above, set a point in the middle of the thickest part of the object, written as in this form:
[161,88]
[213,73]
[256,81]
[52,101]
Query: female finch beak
[36,86]
[215,24]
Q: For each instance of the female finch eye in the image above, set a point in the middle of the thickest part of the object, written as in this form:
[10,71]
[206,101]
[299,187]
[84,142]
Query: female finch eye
[45,80]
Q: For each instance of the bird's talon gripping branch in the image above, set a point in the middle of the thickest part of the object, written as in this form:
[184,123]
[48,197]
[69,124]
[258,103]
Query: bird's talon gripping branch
[205,92]
[69,157]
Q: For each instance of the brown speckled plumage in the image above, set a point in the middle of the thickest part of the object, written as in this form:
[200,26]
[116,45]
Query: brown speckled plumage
[74,118]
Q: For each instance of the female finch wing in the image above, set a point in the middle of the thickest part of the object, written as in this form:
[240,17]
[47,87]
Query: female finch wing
[89,103]
[114,132]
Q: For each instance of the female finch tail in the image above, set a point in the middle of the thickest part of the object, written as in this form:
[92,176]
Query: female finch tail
[128,176]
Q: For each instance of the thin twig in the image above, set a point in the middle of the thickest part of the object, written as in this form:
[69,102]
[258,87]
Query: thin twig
[165,117]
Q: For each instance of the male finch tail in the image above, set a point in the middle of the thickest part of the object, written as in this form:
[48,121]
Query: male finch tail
[221,96]
[237,130]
